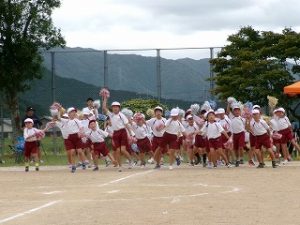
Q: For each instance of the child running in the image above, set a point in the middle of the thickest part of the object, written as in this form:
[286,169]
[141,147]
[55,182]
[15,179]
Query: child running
[96,137]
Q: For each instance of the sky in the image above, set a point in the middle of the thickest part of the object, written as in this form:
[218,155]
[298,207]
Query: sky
[126,24]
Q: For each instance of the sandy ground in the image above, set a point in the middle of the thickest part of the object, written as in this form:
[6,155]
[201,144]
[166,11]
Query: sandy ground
[185,195]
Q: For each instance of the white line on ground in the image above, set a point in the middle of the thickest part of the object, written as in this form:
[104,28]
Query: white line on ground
[28,211]
[113,191]
[125,178]
[52,192]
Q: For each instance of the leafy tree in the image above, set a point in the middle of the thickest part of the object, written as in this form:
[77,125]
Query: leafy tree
[142,105]
[26,28]
[250,67]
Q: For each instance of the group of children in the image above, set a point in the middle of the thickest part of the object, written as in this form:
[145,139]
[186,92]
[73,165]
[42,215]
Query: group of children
[207,136]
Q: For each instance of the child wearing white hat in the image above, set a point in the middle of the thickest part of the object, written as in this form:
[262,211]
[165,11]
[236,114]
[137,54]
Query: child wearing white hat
[173,130]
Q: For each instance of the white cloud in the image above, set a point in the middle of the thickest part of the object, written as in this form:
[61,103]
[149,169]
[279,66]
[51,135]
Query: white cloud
[114,24]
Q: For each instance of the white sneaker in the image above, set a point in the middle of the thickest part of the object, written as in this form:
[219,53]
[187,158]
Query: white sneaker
[170,167]
[209,165]
[120,169]
[285,162]
[151,161]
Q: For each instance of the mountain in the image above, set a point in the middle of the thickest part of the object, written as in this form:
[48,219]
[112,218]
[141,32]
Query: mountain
[184,79]
[71,92]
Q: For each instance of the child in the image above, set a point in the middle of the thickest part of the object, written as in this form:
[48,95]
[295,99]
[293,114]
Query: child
[285,129]
[238,131]
[191,130]
[65,133]
[173,131]
[142,132]
[96,137]
[120,125]
[31,136]
[225,122]
[157,125]
[91,107]
[200,140]
[74,142]
[261,131]
[213,131]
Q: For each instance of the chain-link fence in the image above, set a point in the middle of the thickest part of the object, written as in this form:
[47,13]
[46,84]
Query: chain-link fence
[175,76]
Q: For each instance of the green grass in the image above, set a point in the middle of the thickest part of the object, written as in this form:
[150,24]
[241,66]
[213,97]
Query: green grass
[52,153]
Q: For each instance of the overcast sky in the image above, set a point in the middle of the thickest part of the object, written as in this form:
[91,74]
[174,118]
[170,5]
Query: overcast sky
[119,24]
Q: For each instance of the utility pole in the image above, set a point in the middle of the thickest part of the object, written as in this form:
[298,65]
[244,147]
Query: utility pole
[105,66]
[158,74]
[53,96]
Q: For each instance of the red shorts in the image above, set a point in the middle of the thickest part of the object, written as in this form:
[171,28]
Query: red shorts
[156,142]
[287,135]
[73,142]
[276,141]
[30,148]
[252,140]
[100,148]
[215,143]
[87,144]
[238,141]
[200,141]
[170,140]
[263,140]
[144,145]
[224,140]
[120,138]
[180,141]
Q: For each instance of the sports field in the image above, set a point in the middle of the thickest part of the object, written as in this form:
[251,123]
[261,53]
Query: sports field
[185,195]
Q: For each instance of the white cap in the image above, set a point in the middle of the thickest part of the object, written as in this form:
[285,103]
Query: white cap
[65,115]
[189,117]
[116,104]
[174,112]
[158,108]
[86,111]
[209,112]
[255,111]
[256,107]
[28,120]
[71,109]
[236,106]
[279,110]
[220,111]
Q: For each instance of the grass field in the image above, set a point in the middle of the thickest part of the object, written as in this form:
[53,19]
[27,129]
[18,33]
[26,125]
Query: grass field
[185,195]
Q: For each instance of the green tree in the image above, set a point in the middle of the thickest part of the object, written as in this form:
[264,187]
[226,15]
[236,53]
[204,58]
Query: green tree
[26,28]
[250,68]
[142,105]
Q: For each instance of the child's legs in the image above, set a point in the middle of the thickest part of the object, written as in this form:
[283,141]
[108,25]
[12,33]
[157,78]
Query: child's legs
[71,156]
[118,156]
[272,155]
[171,156]
[284,151]
[221,153]
[142,157]
[212,156]
[190,153]
[259,155]
[124,152]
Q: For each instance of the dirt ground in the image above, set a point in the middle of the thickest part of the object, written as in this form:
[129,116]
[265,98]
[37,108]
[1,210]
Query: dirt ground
[185,195]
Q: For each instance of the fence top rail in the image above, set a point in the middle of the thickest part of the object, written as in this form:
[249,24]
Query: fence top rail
[131,50]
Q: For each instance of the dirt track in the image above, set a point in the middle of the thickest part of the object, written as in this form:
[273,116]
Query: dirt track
[142,196]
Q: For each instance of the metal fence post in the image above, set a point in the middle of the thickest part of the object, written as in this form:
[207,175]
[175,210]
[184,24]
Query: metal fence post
[2,131]
[105,66]
[53,89]
[158,74]
[211,73]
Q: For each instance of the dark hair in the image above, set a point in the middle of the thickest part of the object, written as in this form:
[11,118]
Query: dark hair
[90,99]
[202,111]
[29,108]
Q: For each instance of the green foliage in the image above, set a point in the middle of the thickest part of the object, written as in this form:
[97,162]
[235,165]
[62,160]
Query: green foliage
[142,105]
[26,27]
[253,66]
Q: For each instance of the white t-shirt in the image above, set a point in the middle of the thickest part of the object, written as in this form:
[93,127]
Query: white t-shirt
[96,136]
[154,123]
[29,132]
[273,125]
[73,125]
[191,129]
[174,127]
[226,124]
[141,132]
[63,128]
[109,130]
[259,128]
[238,124]
[118,121]
[283,123]
[212,130]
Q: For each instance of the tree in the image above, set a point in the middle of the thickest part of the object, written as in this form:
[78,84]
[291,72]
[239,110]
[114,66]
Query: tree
[251,67]
[26,28]
[142,105]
